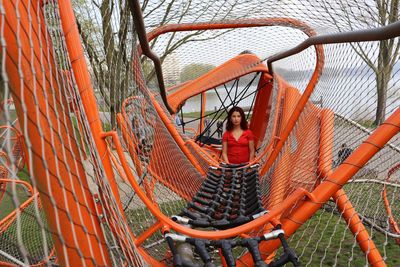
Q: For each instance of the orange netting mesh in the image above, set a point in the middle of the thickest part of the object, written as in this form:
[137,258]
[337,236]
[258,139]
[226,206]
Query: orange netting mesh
[111,165]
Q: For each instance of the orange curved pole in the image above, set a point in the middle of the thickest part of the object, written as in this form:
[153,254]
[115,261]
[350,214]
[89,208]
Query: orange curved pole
[392,220]
[6,221]
[18,144]
[298,109]
[167,222]
[344,205]
[325,158]
[202,114]
[175,134]
[338,178]
[262,108]
[83,81]
[232,69]
[128,136]
[356,226]
[34,91]
[201,153]
[229,24]
[6,264]
[149,232]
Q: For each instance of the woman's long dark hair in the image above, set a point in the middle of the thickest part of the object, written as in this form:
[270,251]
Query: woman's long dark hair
[243,122]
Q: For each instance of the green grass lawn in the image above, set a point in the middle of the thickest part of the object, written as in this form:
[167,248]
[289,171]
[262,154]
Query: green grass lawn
[32,235]
[336,244]
[141,218]
[369,124]
[12,116]
[31,232]
[7,203]
[325,238]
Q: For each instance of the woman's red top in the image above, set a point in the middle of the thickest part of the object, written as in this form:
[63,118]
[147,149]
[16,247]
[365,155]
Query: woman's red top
[238,150]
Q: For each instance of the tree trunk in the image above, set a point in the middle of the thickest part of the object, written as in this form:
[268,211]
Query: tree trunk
[108,46]
[383,73]
[382,85]
[2,92]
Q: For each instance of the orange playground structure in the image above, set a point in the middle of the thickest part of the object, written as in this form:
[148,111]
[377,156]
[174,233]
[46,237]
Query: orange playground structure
[111,121]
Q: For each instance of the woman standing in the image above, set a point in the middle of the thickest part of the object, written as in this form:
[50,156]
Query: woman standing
[238,140]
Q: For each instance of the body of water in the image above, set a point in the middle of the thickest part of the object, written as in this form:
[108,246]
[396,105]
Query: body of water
[351,95]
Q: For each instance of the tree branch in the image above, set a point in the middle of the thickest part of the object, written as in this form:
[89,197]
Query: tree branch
[95,62]
[151,11]
[364,56]
[395,54]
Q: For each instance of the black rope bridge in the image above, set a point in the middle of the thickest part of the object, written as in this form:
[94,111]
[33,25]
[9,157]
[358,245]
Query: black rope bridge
[230,196]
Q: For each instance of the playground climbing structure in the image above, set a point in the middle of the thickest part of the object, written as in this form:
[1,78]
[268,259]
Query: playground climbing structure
[94,169]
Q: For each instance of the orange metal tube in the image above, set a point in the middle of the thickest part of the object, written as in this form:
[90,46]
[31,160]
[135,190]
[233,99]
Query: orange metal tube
[205,156]
[73,216]
[117,165]
[6,221]
[6,264]
[175,134]
[299,108]
[149,232]
[277,192]
[344,205]
[339,177]
[26,184]
[167,222]
[203,108]
[325,158]
[357,228]
[241,23]
[233,68]
[86,92]
[84,84]
[262,108]
[131,147]
[392,220]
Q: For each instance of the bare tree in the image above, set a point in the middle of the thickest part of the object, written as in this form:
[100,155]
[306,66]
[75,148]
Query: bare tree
[107,50]
[388,55]
[176,16]
[386,12]
[108,42]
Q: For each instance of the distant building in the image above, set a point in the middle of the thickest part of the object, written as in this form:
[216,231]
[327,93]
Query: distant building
[171,70]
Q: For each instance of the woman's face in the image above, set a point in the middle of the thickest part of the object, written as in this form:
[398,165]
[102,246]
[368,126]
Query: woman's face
[236,118]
